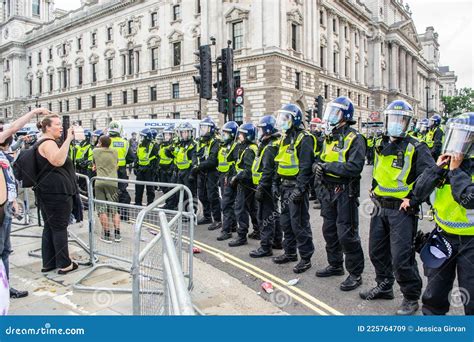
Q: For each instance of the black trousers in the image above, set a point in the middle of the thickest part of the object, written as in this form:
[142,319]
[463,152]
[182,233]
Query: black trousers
[123,195]
[208,193]
[184,177]
[269,221]
[165,175]
[438,296]
[294,221]
[392,250]
[228,199]
[341,231]
[370,155]
[146,175]
[245,209]
[56,211]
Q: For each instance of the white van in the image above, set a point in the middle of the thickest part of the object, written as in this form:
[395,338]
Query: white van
[137,125]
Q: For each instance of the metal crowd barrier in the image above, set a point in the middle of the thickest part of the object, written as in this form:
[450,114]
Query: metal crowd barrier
[159,291]
[119,255]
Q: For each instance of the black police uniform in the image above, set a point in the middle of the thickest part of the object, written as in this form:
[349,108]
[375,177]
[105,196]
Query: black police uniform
[436,297]
[229,221]
[339,202]
[437,143]
[146,173]
[166,170]
[392,231]
[294,218]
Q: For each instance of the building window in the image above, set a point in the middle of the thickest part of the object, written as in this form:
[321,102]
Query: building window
[36,7]
[154,19]
[358,100]
[176,12]
[294,36]
[79,75]
[135,95]
[50,106]
[64,49]
[51,83]
[239,115]
[94,72]
[297,80]
[175,90]
[176,53]
[50,54]
[79,44]
[60,106]
[7,65]
[198,6]
[237,78]
[93,101]
[153,93]
[153,116]
[321,17]
[334,56]
[154,58]
[345,32]
[238,35]
[29,61]
[321,56]
[334,25]
[67,105]
[40,60]
[30,87]
[338,92]
[124,97]
[176,115]
[130,26]
[381,48]
[131,62]
[109,34]
[109,69]
[79,103]
[64,78]
[346,67]
[326,91]
[94,38]
[109,99]
[40,85]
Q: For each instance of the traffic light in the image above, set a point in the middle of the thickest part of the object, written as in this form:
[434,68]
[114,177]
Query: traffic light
[204,80]
[319,106]
[227,59]
[309,115]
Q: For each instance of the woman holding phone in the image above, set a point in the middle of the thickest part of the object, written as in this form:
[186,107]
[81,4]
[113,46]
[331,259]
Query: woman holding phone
[56,187]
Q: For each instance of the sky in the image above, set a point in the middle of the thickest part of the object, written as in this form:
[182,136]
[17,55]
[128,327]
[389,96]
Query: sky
[452,19]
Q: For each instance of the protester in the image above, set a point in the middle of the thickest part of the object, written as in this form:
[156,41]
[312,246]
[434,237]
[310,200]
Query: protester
[105,162]
[56,187]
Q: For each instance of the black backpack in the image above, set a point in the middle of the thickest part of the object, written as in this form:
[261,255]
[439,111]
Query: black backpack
[25,167]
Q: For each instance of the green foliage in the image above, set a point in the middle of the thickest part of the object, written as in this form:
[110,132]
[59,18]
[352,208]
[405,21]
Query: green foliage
[461,103]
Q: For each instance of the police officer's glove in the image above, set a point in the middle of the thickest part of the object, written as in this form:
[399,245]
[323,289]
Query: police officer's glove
[297,195]
[234,181]
[260,194]
[275,191]
[318,170]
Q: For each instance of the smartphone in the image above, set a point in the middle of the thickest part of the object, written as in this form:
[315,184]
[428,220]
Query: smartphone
[79,133]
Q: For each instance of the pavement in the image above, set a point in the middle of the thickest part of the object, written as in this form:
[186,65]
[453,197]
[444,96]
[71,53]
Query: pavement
[226,280]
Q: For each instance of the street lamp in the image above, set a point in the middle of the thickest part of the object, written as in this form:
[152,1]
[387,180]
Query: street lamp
[427,88]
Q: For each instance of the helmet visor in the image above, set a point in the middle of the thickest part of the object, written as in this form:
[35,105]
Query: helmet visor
[284,120]
[204,129]
[458,139]
[185,134]
[333,114]
[396,123]
[167,136]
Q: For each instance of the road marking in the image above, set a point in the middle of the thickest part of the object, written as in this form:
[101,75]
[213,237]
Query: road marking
[299,295]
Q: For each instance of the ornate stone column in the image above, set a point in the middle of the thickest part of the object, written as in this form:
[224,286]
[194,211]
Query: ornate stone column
[394,66]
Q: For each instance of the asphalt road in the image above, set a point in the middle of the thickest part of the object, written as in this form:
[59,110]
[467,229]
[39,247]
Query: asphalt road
[311,295]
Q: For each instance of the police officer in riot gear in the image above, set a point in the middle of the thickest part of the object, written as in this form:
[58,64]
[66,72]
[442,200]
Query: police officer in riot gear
[226,168]
[166,166]
[296,154]
[399,161]
[205,167]
[434,136]
[125,156]
[242,181]
[338,176]
[452,179]
[145,165]
[84,159]
[184,154]
[263,177]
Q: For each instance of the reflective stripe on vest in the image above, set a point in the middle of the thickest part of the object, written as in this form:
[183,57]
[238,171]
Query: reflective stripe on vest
[256,172]
[450,215]
[253,147]
[222,158]
[164,159]
[182,161]
[287,158]
[121,146]
[392,180]
[143,154]
[332,153]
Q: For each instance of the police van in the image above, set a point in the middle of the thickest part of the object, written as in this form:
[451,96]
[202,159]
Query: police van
[137,125]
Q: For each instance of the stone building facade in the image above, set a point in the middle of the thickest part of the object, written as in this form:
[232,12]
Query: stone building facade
[113,59]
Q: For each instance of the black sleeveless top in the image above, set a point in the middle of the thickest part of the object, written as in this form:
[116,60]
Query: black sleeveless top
[55,180]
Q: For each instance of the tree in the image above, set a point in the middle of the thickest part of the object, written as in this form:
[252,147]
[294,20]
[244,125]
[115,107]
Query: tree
[463,102]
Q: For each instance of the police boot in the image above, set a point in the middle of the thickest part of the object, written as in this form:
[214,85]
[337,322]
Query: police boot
[277,245]
[317,204]
[204,220]
[255,235]
[260,253]
[377,292]
[285,258]
[224,236]
[351,283]
[408,307]
[240,241]
[302,266]
[330,271]
[215,225]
